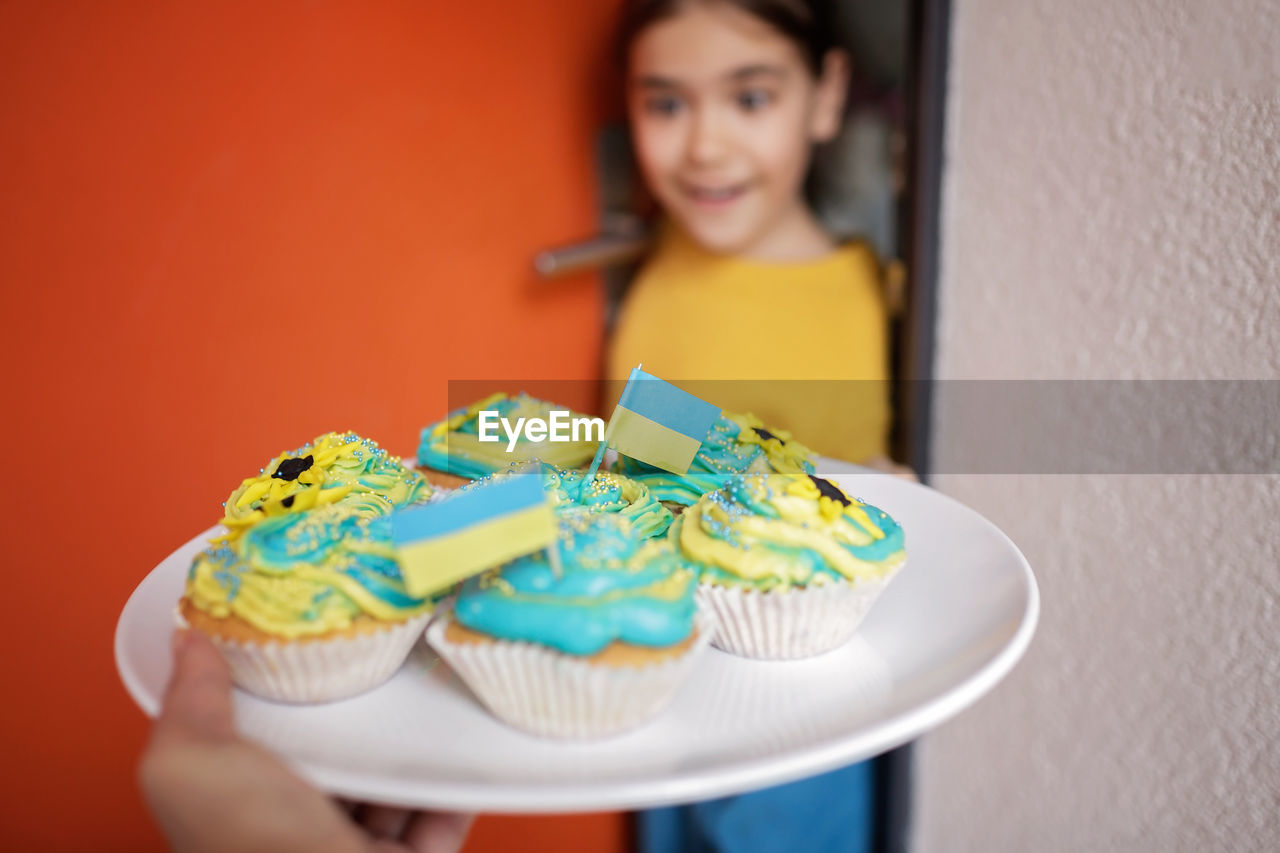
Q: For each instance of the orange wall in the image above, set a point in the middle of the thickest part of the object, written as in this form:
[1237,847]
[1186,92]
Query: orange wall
[226,228]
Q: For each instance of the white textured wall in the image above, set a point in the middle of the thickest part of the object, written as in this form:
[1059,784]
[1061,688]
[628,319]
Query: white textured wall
[1112,210]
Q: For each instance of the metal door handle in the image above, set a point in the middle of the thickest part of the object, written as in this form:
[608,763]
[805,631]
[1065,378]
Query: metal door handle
[624,239]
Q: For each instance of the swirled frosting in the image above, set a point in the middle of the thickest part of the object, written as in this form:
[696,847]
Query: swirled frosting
[335,467]
[786,530]
[454,444]
[611,587]
[304,574]
[607,493]
[737,444]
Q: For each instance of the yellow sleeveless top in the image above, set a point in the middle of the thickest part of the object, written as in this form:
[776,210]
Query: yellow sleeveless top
[805,343]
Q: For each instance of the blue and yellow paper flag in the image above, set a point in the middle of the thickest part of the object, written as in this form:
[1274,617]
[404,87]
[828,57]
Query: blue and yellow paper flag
[658,423]
[442,543]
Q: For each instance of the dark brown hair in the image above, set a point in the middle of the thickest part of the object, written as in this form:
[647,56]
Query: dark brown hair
[807,23]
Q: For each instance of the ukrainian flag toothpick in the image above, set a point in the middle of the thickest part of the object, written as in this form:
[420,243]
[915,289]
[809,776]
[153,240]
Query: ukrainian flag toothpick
[657,423]
[442,543]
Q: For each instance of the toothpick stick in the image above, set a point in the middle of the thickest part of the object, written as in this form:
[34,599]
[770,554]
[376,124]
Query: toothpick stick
[553,558]
[591,472]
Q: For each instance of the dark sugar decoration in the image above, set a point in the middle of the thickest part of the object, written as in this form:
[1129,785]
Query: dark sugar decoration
[289,469]
[287,502]
[765,435]
[828,489]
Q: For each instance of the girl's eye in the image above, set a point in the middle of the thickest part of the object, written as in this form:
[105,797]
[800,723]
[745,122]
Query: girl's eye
[662,105]
[752,100]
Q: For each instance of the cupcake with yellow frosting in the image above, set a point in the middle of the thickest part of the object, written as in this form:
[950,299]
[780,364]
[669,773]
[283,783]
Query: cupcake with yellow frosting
[607,493]
[593,647]
[333,468]
[455,447]
[306,606]
[736,444]
[789,564]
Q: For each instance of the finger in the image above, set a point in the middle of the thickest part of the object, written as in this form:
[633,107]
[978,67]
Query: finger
[438,832]
[197,703]
[381,821]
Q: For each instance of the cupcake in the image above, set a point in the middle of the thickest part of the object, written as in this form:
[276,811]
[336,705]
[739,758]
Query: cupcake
[607,493]
[453,446]
[593,648]
[736,444]
[306,606]
[789,564]
[333,468]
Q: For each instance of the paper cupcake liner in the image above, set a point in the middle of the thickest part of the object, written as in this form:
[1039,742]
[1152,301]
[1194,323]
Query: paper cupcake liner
[320,670]
[554,695]
[794,623]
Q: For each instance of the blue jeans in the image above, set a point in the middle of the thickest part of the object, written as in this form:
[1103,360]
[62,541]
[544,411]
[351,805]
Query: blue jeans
[831,812]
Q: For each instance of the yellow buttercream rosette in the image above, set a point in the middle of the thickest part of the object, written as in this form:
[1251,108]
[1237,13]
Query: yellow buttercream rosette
[782,452]
[334,467]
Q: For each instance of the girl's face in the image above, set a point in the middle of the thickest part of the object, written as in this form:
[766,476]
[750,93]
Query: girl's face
[724,112]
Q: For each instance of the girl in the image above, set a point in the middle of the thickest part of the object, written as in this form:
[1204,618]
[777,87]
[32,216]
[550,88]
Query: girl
[726,99]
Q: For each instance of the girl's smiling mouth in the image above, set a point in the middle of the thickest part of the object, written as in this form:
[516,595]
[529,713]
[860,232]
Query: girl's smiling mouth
[713,196]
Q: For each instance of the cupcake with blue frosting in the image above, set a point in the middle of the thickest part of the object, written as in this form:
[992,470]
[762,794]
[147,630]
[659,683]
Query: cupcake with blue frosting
[453,447]
[789,564]
[736,444]
[306,606]
[593,646]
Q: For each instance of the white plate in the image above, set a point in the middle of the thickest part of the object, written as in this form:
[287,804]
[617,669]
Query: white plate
[951,624]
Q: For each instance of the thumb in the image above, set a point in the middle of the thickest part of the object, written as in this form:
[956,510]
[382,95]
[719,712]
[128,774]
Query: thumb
[197,703]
